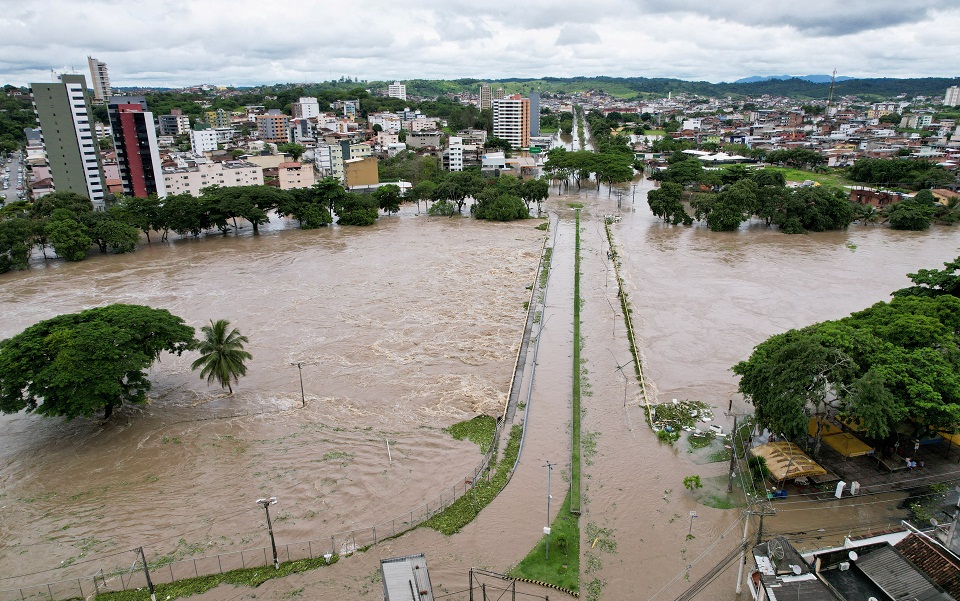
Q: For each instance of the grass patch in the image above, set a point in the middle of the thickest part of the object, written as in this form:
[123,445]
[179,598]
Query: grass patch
[718,502]
[563,566]
[543,226]
[479,430]
[577,371]
[831,178]
[462,511]
[252,577]
[655,132]
[700,440]
[575,205]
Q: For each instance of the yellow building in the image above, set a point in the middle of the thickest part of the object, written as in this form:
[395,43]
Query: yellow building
[360,172]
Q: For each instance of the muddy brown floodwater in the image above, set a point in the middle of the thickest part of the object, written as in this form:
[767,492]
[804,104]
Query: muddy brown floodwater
[402,329]
[405,328]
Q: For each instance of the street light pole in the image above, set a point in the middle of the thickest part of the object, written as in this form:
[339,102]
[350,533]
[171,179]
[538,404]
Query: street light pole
[546,529]
[266,508]
[303,397]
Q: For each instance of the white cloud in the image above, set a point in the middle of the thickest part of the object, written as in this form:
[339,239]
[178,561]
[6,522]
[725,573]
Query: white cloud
[244,42]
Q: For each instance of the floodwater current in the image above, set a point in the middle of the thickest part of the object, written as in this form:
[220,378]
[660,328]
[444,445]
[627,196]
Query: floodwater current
[402,329]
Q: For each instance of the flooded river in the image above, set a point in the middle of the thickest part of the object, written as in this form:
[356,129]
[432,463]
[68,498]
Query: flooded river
[403,329]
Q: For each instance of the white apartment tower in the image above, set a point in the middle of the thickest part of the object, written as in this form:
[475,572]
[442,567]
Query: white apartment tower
[101,81]
[202,140]
[306,108]
[952,97]
[455,154]
[511,120]
[397,90]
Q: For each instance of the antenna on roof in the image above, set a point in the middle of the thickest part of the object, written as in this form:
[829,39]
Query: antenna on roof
[833,82]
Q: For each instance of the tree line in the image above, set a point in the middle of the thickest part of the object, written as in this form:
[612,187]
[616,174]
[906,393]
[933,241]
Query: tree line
[725,198]
[67,223]
[892,371]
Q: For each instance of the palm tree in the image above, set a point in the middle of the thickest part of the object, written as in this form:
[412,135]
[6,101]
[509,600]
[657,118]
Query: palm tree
[221,354]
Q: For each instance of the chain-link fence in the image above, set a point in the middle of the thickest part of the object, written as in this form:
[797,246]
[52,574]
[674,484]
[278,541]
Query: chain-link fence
[339,543]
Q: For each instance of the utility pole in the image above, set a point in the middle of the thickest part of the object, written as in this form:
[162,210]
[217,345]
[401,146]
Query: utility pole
[743,550]
[733,454]
[546,529]
[266,503]
[146,572]
[303,397]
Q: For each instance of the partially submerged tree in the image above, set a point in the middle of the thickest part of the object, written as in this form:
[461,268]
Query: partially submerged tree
[221,354]
[77,364]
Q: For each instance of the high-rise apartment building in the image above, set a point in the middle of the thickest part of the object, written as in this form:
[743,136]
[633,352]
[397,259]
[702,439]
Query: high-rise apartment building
[306,108]
[66,124]
[397,90]
[952,97]
[534,113]
[499,94]
[174,124]
[273,127]
[135,140]
[511,120]
[486,98]
[202,140]
[101,81]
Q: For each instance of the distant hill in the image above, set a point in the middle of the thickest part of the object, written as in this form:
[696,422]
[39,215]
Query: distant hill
[810,78]
[632,88]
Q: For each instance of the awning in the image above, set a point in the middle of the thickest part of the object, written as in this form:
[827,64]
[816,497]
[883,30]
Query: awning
[787,461]
[848,445]
[827,429]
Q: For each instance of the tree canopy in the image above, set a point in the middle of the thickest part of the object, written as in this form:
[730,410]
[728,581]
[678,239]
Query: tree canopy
[78,364]
[893,368]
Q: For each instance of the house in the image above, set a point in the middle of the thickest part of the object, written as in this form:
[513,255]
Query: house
[874,198]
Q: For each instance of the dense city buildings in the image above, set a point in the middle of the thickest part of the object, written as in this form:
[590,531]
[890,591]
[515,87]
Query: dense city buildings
[135,142]
[100,79]
[66,124]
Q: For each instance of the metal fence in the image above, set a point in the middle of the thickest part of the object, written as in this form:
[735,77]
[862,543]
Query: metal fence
[339,543]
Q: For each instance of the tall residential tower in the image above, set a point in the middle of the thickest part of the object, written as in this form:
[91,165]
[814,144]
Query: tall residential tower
[101,81]
[135,140]
[511,120]
[66,124]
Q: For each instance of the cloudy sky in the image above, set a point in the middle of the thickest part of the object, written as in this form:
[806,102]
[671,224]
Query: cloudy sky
[247,42]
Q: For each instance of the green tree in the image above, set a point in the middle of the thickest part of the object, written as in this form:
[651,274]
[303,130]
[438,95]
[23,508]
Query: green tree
[389,197]
[142,213]
[221,354]
[535,190]
[934,282]
[81,363]
[295,150]
[357,209]
[112,235]
[70,239]
[15,236]
[665,203]
[913,213]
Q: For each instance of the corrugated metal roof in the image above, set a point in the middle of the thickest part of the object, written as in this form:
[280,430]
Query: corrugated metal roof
[889,570]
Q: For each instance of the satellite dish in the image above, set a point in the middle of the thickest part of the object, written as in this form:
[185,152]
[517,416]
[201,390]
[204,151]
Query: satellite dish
[776,549]
[934,522]
[853,556]
[796,570]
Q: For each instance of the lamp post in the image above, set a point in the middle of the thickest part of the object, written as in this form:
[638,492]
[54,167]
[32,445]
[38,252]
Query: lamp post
[303,397]
[273,544]
[546,529]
